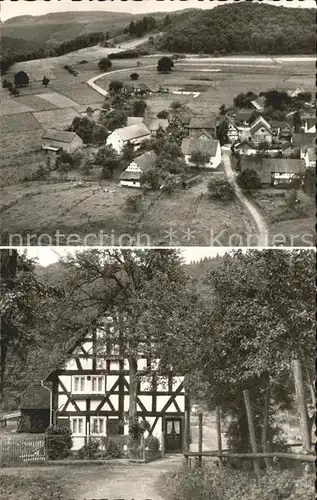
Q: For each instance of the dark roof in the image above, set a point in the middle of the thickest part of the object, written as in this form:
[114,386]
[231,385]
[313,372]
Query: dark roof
[200,123]
[59,135]
[35,397]
[243,114]
[259,102]
[302,139]
[265,167]
[133,132]
[144,162]
[184,115]
[310,122]
[209,146]
[258,123]
[281,124]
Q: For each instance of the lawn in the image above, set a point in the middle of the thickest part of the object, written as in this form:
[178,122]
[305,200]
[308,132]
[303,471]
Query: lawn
[288,227]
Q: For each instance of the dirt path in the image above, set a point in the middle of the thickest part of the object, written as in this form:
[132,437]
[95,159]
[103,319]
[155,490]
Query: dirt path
[263,232]
[129,481]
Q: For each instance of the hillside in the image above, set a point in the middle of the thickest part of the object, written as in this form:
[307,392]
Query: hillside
[242,28]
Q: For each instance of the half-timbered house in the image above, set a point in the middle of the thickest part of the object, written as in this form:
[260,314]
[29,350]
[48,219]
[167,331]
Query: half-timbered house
[91,395]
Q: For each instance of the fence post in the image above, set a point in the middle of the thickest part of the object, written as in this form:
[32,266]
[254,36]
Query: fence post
[219,443]
[256,463]
[200,438]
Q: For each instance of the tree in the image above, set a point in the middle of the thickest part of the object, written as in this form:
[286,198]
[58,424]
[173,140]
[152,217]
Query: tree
[84,127]
[176,105]
[104,64]
[127,153]
[138,107]
[116,119]
[163,114]
[14,91]
[221,189]
[249,179]
[115,86]
[165,64]
[151,178]
[109,160]
[222,132]
[45,81]
[21,79]
[199,158]
[134,76]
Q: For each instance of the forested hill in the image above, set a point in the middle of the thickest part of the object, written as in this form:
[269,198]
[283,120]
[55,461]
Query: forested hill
[244,27]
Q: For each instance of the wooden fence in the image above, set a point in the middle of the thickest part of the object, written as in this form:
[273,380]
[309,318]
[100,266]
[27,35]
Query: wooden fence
[22,449]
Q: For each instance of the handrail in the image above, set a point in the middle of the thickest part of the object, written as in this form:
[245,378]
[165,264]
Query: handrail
[291,456]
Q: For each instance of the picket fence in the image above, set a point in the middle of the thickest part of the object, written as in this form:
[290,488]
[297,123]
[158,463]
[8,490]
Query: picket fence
[21,449]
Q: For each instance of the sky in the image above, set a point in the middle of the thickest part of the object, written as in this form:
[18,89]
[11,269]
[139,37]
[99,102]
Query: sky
[49,255]
[12,8]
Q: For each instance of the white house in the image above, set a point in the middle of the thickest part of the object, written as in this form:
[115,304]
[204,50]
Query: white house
[204,144]
[233,132]
[131,177]
[309,156]
[54,140]
[310,126]
[134,134]
[90,392]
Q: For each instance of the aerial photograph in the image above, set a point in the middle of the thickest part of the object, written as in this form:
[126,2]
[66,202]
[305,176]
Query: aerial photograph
[150,123]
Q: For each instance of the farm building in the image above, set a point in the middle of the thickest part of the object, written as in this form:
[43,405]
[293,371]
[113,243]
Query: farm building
[233,132]
[54,140]
[259,103]
[134,120]
[277,172]
[197,125]
[203,144]
[281,130]
[245,148]
[182,116]
[134,134]
[90,393]
[34,413]
[131,177]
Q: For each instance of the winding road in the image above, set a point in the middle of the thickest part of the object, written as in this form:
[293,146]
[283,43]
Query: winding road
[263,232]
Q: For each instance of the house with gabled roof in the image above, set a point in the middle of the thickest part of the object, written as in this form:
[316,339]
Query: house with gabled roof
[282,130]
[198,124]
[233,132]
[260,131]
[134,134]
[308,154]
[55,140]
[131,177]
[203,143]
[183,116]
[154,124]
[90,392]
[310,126]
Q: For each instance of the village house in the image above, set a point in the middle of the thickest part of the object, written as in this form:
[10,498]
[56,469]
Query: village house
[260,131]
[204,144]
[134,120]
[90,394]
[309,156]
[154,124]
[245,148]
[281,130]
[259,103]
[54,140]
[182,117]
[276,172]
[197,125]
[134,134]
[233,133]
[131,177]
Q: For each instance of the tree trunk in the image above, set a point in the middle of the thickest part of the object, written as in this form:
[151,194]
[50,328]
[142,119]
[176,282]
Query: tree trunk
[219,441]
[265,427]
[256,462]
[302,410]
[200,437]
[133,386]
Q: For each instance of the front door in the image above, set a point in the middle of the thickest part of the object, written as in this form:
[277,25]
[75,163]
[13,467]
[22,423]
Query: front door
[173,435]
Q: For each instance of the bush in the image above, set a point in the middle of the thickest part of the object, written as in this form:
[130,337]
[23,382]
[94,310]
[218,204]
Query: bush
[152,443]
[134,76]
[176,105]
[248,179]
[58,441]
[89,450]
[112,449]
[115,86]
[220,189]
[163,114]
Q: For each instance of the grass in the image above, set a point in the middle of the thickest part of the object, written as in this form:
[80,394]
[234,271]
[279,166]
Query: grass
[294,227]
[22,488]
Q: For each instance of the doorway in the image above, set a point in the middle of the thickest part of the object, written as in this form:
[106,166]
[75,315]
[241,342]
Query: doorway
[173,431]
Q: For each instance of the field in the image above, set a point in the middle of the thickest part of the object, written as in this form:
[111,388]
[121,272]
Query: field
[186,217]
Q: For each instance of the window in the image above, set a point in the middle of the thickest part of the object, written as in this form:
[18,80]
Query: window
[79,384]
[88,384]
[98,425]
[77,426]
[113,427]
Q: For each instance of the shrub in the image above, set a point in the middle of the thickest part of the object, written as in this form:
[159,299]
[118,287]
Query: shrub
[112,449]
[248,179]
[152,443]
[176,104]
[104,64]
[89,450]
[163,114]
[115,86]
[58,442]
[220,189]
[134,76]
